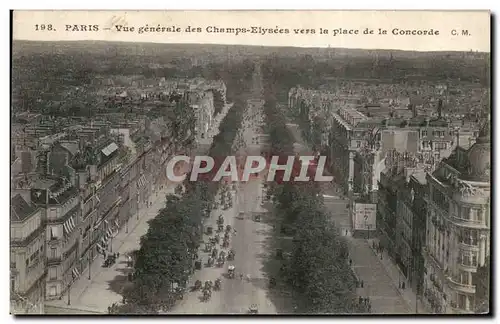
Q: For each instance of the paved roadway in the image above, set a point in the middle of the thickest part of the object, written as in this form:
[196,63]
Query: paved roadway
[248,240]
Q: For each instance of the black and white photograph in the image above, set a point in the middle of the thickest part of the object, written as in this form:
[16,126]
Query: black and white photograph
[281,167]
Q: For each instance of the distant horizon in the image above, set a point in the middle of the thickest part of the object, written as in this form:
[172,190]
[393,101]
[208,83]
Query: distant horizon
[246,45]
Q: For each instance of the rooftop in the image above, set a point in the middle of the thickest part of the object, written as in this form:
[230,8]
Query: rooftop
[420,176]
[20,209]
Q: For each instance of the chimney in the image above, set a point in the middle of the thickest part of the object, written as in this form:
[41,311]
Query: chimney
[440,108]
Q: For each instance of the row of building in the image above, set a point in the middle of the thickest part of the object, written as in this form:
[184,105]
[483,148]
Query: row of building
[429,178]
[73,190]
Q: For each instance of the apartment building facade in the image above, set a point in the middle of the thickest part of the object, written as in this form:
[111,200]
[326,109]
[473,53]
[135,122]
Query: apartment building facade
[458,226]
[28,270]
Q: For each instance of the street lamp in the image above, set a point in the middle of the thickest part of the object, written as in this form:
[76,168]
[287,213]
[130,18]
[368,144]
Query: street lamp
[69,292]
[91,254]
[138,208]
[111,242]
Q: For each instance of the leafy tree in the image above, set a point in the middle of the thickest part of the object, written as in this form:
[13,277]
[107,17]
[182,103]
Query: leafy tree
[318,269]
[168,249]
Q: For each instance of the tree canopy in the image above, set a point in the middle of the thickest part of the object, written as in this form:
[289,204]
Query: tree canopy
[318,269]
[168,250]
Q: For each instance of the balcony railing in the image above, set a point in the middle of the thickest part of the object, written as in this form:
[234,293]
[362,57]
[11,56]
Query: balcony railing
[457,285]
[467,264]
[469,244]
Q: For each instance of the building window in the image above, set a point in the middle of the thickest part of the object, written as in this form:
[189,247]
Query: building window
[469,258]
[462,301]
[53,252]
[52,291]
[468,237]
[464,213]
[440,146]
[53,273]
[424,133]
[464,277]
[12,284]
[358,144]
[475,214]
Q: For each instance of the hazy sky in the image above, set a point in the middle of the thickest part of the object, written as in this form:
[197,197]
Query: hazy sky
[457,30]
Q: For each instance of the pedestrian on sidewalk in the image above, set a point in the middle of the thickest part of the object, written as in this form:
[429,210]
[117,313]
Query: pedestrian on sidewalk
[362,283]
[350,262]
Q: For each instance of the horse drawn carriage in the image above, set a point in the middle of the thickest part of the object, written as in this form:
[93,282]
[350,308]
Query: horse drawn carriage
[253,309]
[211,262]
[209,247]
[218,283]
[214,253]
[228,228]
[230,272]
[214,240]
[197,285]
[207,290]
[222,259]
[207,293]
[230,255]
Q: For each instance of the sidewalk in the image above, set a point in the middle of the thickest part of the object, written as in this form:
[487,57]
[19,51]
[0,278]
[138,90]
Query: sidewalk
[95,295]
[377,284]
[396,275]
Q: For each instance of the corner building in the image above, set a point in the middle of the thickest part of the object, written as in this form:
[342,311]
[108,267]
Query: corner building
[458,227]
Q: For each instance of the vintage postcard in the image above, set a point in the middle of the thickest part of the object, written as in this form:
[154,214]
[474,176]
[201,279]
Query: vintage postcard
[250,162]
